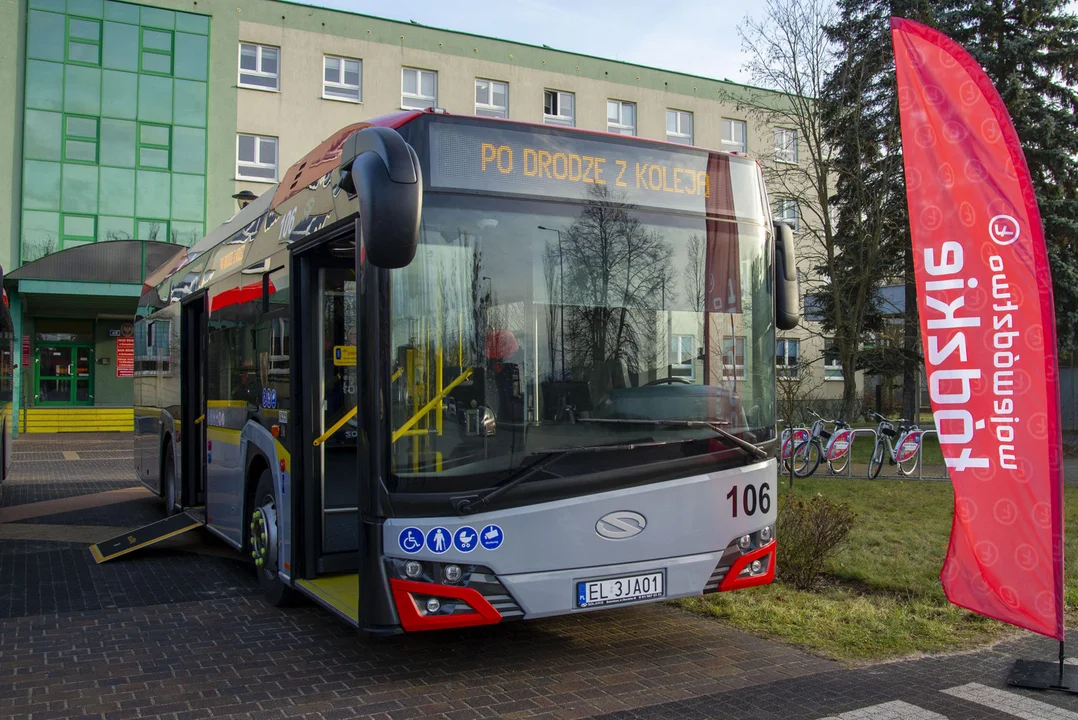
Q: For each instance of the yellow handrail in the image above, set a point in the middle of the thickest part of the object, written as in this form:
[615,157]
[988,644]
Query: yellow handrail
[336,426]
[397,374]
[399,432]
[199,419]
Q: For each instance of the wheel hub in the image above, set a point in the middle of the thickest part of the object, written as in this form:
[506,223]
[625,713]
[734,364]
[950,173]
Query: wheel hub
[264,538]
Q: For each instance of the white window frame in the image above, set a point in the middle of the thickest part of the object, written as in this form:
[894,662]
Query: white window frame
[679,135]
[831,370]
[682,364]
[258,72]
[617,127]
[240,164]
[738,371]
[786,145]
[784,369]
[427,100]
[340,84]
[788,211]
[728,142]
[492,110]
[560,119]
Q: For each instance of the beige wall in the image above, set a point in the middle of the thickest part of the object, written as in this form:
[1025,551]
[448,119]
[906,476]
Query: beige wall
[301,118]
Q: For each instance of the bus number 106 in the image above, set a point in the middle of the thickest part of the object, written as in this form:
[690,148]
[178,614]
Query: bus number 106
[750,499]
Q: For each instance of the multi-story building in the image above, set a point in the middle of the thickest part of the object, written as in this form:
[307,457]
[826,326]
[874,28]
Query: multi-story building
[129,128]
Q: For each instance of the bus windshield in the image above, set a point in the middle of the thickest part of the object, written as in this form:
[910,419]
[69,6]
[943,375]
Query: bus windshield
[521,326]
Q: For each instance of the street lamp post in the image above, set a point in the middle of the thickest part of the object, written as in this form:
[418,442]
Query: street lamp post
[561,296]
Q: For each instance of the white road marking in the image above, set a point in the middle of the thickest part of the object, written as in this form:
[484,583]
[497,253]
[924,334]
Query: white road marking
[1010,703]
[894,710]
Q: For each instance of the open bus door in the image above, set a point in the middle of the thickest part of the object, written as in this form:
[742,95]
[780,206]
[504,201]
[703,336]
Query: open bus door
[193,332]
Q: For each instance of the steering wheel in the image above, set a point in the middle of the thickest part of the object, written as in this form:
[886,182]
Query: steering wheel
[668,381]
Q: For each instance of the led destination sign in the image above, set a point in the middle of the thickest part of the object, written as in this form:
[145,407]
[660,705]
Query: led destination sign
[494,159]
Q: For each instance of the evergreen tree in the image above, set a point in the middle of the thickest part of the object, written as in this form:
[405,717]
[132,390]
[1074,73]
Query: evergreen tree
[872,229]
[1030,51]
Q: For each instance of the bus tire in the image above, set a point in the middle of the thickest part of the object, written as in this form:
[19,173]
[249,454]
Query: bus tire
[262,539]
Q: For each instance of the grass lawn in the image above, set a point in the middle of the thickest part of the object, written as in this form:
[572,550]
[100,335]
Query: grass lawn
[881,595]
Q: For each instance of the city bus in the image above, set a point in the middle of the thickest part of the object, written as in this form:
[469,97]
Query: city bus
[455,371]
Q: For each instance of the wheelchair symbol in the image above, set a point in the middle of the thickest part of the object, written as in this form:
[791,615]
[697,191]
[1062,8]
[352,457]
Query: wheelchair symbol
[410,540]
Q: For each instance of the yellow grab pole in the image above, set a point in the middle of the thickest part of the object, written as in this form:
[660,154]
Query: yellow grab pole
[336,426]
[399,432]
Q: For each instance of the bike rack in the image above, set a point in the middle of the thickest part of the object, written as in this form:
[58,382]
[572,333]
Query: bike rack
[921,458]
[856,432]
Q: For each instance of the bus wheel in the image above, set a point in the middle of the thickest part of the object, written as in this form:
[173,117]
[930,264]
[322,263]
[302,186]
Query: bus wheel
[263,541]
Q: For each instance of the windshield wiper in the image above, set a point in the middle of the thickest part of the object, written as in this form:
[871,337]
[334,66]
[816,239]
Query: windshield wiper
[712,425]
[469,506]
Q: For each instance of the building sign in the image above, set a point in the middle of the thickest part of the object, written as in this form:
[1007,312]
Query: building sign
[127,330]
[555,165]
[26,351]
[125,357]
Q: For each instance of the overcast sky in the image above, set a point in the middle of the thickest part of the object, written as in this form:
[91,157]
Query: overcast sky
[692,36]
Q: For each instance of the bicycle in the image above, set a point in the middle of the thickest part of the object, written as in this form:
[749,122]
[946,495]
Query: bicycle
[786,444]
[837,450]
[905,453]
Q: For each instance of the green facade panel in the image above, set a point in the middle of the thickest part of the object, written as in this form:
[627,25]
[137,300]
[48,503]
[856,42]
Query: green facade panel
[114,118]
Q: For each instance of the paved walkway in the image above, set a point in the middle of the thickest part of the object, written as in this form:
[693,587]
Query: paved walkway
[179,631]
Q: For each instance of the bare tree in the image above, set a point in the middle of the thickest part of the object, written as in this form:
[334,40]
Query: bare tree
[615,270]
[789,51]
[695,273]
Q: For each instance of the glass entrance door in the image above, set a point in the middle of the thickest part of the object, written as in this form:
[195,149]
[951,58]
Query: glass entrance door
[64,374]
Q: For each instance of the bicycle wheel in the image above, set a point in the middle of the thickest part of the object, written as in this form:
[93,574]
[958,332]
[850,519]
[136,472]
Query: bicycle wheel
[839,466]
[806,458]
[908,467]
[876,461]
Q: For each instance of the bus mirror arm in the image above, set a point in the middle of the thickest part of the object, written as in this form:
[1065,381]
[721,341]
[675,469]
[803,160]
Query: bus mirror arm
[787,301]
[379,167]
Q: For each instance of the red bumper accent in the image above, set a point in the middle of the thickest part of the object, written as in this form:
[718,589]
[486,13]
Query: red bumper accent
[413,620]
[733,582]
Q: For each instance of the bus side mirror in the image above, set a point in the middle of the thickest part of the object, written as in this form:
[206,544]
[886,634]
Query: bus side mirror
[383,170]
[787,301]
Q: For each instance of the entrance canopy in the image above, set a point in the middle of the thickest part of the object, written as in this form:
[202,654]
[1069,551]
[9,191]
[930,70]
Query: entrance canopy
[88,280]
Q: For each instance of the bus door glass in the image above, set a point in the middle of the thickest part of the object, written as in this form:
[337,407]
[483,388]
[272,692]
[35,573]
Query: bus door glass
[340,477]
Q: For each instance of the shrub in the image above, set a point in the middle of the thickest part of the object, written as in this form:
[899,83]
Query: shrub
[809,531]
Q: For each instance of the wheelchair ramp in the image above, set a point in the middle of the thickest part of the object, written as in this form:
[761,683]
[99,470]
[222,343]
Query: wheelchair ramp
[148,535]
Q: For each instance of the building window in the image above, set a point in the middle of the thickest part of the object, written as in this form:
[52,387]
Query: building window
[83,41]
[734,135]
[683,356]
[154,146]
[786,145]
[259,67]
[786,211]
[733,358]
[80,139]
[621,117]
[558,107]
[156,230]
[156,55]
[256,158]
[679,127]
[78,229]
[342,78]
[419,89]
[788,358]
[832,367]
[491,98]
